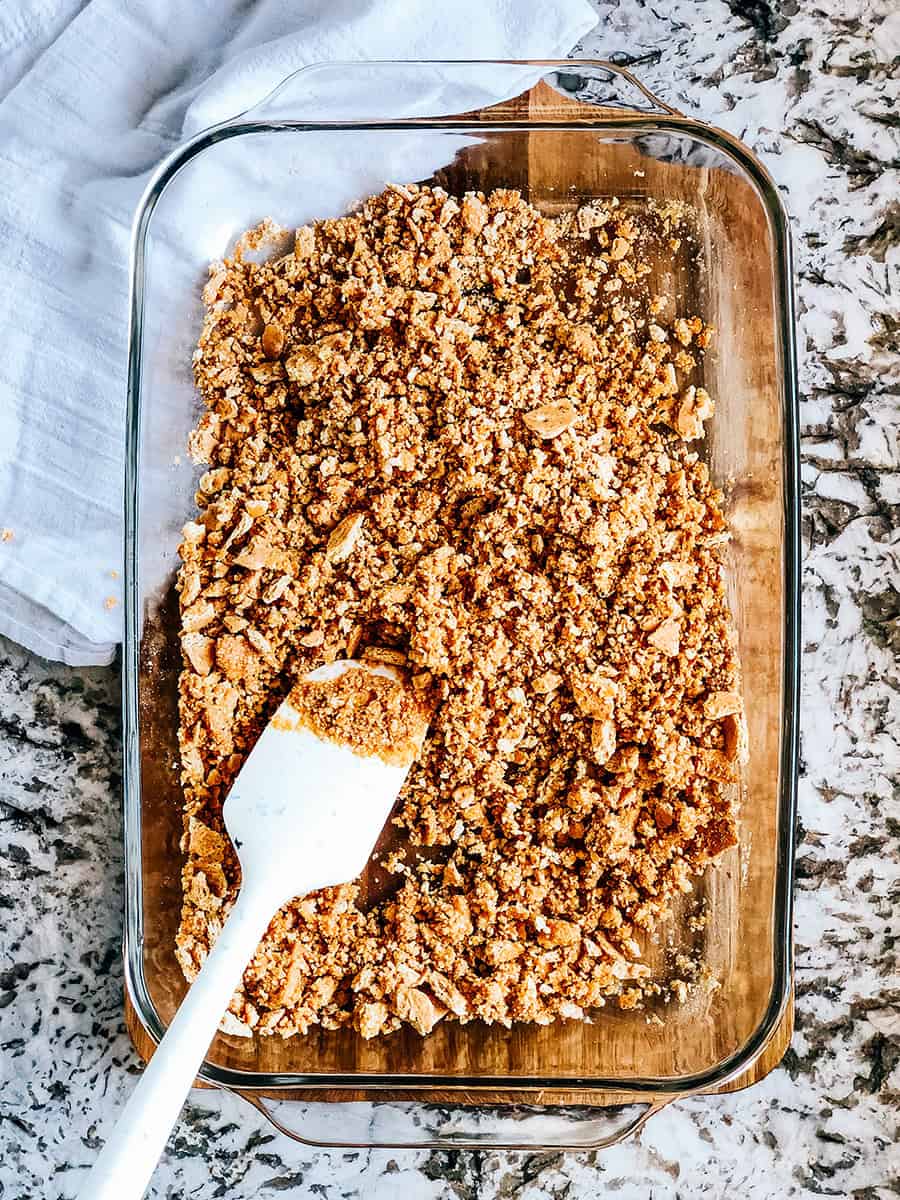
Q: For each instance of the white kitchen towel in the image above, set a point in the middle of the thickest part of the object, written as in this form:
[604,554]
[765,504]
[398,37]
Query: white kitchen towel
[92,95]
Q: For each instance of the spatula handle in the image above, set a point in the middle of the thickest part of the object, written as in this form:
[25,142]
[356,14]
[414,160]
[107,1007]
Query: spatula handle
[132,1150]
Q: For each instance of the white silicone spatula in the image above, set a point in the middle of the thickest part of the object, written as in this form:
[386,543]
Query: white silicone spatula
[304,813]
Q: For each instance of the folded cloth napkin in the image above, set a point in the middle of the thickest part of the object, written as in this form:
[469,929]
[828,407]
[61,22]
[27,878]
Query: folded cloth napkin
[92,95]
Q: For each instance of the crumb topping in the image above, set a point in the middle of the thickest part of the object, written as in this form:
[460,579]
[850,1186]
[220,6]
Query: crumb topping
[373,712]
[457,437]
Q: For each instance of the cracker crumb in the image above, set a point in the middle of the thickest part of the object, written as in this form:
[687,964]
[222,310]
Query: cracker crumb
[344,537]
[667,636]
[550,420]
[373,714]
[721,704]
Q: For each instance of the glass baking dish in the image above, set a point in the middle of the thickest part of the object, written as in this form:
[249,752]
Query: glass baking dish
[572,131]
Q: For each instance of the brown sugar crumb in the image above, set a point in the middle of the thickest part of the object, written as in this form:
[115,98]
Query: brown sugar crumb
[373,714]
[272,341]
[6,535]
[110,602]
[457,438]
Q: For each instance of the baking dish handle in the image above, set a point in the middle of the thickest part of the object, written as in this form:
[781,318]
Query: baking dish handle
[539,91]
[603,87]
[395,1125]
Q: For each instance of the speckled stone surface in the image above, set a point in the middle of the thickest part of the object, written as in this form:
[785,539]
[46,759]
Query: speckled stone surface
[813,88]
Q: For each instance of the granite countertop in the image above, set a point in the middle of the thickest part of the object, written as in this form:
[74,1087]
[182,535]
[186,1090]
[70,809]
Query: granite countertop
[813,90]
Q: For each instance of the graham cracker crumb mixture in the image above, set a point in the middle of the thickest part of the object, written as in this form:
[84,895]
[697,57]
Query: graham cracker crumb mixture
[455,436]
[373,712]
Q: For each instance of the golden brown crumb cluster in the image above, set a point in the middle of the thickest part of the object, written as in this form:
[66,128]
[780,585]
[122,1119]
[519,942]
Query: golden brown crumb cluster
[455,436]
[370,710]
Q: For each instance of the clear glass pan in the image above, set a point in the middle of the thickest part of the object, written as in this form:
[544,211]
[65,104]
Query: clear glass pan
[578,131]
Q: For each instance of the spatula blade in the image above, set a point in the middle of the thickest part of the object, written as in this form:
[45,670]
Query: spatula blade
[305,812]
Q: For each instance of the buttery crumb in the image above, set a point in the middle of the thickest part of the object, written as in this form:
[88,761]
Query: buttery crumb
[457,437]
[373,714]
[110,602]
[6,535]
